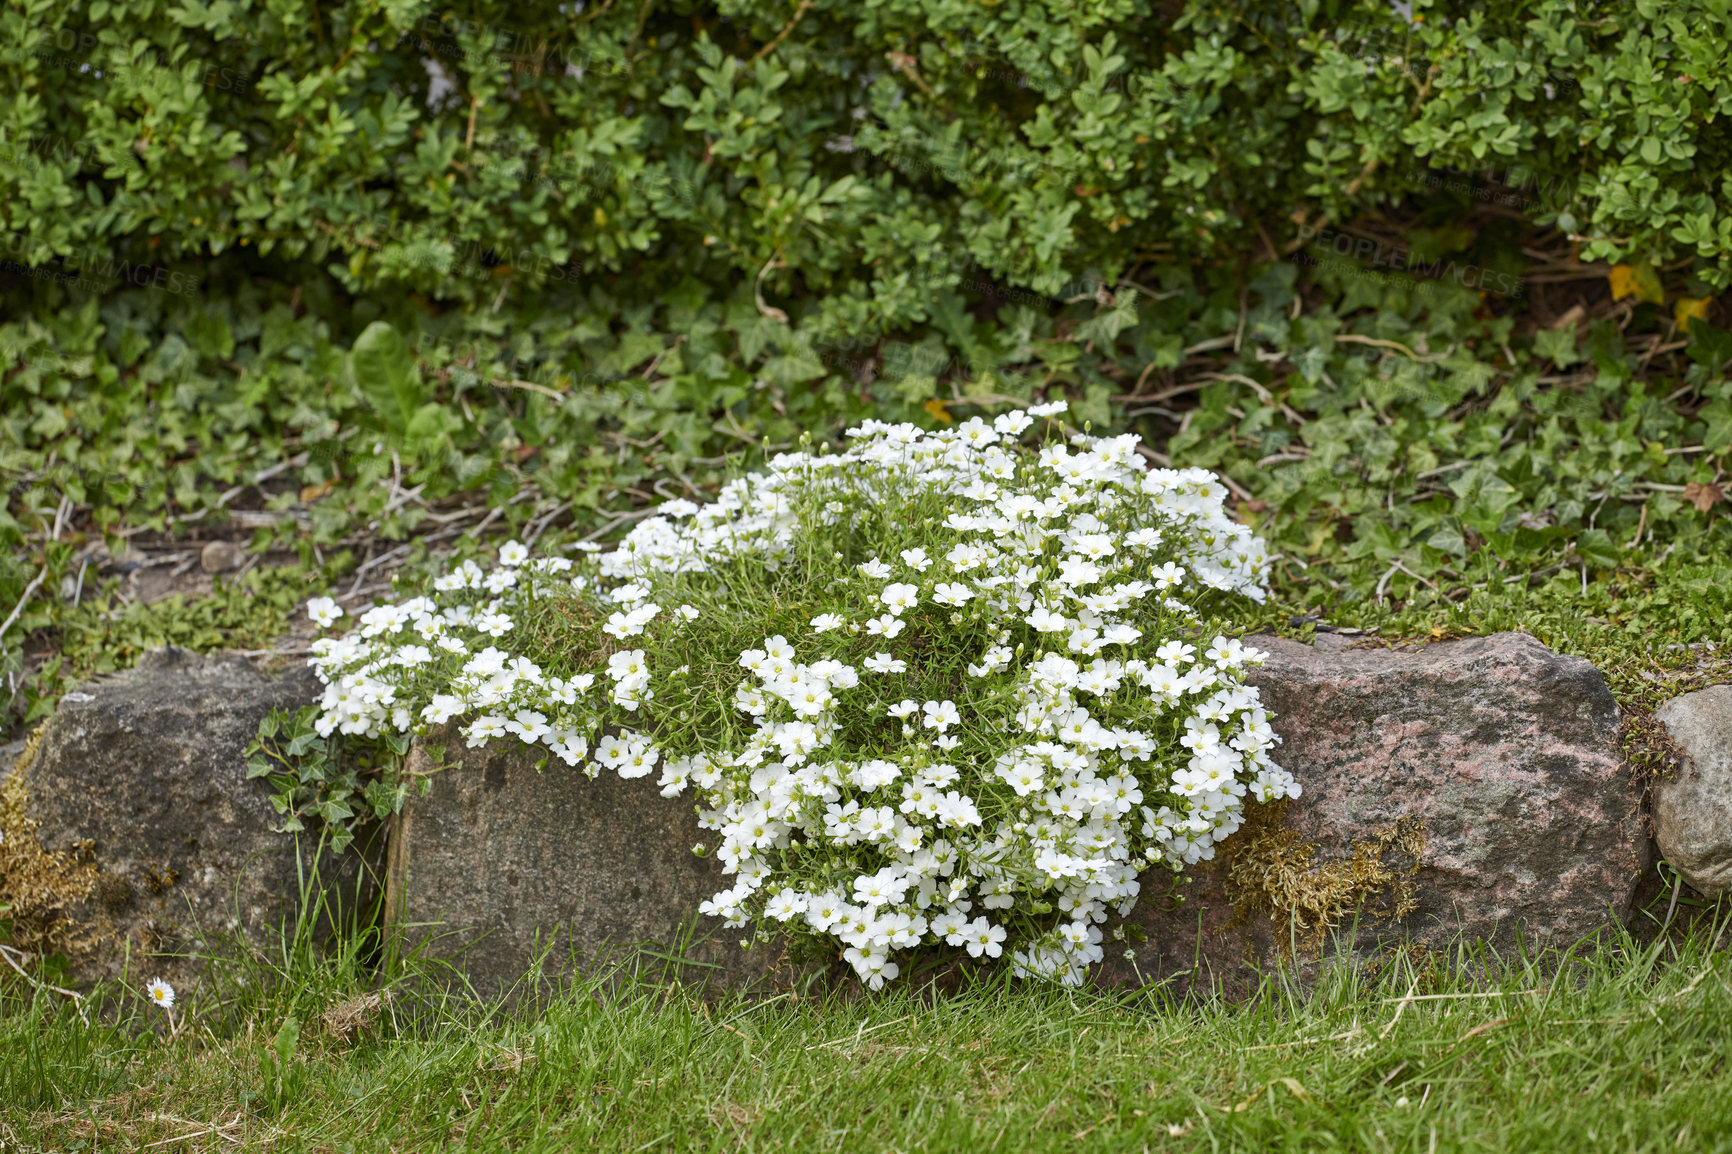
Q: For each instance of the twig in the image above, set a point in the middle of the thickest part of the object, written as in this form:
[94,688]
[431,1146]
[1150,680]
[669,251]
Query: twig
[1356,339]
[532,386]
[12,958]
[620,520]
[905,64]
[799,14]
[1398,567]
[1156,456]
[765,309]
[29,591]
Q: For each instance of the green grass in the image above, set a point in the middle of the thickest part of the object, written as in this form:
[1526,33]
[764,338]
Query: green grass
[1623,1048]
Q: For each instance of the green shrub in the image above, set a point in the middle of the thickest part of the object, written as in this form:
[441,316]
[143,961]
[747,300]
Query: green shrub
[617,243]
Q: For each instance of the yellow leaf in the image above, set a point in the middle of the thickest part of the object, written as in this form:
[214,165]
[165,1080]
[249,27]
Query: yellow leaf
[1637,280]
[1686,309]
[311,493]
[936,408]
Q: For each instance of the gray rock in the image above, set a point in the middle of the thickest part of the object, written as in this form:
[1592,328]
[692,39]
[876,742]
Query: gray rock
[1469,790]
[221,556]
[505,864]
[1693,811]
[142,775]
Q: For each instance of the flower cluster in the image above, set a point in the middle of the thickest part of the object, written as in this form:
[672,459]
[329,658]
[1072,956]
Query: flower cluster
[994,708]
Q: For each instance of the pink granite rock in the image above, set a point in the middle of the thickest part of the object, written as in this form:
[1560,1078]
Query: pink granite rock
[1503,754]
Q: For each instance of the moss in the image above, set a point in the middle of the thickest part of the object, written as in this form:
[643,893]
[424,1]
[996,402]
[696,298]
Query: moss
[36,883]
[1273,869]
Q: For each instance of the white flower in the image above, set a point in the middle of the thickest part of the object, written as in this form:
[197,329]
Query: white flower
[493,624]
[886,626]
[788,903]
[638,760]
[324,613]
[484,729]
[626,663]
[884,663]
[687,612]
[900,598]
[528,725]
[825,622]
[965,557]
[952,593]
[875,569]
[982,937]
[1044,620]
[513,553]
[1050,409]
[160,992]
[916,559]
[941,715]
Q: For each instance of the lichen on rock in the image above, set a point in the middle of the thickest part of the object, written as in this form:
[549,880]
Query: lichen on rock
[37,884]
[1275,871]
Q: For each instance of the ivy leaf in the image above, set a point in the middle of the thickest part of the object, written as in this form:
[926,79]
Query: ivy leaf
[1709,347]
[1558,345]
[1596,548]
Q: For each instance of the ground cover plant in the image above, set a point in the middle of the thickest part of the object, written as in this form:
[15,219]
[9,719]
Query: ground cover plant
[930,737]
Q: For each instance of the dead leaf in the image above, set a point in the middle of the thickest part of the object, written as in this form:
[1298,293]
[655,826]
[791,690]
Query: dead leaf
[1637,280]
[311,493]
[1703,496]
[1687,309]
[938,412]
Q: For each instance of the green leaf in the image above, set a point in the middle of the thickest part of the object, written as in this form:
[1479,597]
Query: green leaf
[383,371]
[1595,546]
[287,1038]
[1559,346]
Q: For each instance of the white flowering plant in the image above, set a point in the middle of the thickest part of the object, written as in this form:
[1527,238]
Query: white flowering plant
[940,688]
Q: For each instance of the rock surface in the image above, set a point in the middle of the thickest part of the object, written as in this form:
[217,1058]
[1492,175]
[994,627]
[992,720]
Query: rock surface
[140,778]
[1693,810]
[1468,789]
[506,864]
[1479,781]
